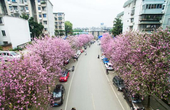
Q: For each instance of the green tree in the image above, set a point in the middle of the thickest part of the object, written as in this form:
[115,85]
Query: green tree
[117,27]
[68,28]
[24,16]
[77,30]
[35,27]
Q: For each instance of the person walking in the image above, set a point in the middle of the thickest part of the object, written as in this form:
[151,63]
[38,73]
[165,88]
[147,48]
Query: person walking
[85,52]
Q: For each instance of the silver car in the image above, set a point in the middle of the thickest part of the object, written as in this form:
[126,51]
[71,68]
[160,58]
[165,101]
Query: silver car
[7,55]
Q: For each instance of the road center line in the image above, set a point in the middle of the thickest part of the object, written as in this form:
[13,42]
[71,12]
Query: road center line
[70,87]
[111,85]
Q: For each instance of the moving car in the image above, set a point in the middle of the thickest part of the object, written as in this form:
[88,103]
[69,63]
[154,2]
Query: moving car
[58,95]
[118,82]
[9,55]
[134,101]
[105,60]
[109,66]
[64,76]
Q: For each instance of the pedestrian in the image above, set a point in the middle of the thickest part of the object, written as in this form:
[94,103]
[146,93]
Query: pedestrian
[73,108]
[107,71]
[98,56]
[85,52]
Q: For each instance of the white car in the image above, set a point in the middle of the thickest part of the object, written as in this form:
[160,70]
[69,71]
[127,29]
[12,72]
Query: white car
[109,66]
[78,53]
[6,55]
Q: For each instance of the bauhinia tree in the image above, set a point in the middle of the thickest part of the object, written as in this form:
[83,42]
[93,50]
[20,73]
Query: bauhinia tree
[142,60]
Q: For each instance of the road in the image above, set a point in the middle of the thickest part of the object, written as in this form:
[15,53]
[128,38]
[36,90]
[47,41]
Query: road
[89,88]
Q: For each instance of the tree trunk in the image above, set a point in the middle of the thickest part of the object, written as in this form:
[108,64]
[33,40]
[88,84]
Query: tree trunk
[148,105]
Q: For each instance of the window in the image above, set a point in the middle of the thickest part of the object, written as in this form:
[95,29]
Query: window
[8,0]
[56,23]
[3,33]
[21,1]
[26,8]
[44,8]
[13,0]
[5,42]
[59,18]
[45,22]
[15,7]
[44,15]
[38,1]
[45,29]
[55,18]
[10,7]
[40,16]
[39,8]
[0,20]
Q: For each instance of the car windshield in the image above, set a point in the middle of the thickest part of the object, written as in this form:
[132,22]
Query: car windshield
[120,82]
[57,94]
[136,99]
[64,75]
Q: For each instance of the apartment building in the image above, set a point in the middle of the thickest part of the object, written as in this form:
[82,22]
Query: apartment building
[59,23]
[12,33]
[143,15]
[40,10]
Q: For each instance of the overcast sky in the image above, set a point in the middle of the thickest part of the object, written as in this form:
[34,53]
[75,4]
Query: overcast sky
[89,13]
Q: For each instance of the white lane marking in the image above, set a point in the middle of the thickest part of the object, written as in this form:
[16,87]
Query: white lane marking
[112,87]
[93,101]
[70,86]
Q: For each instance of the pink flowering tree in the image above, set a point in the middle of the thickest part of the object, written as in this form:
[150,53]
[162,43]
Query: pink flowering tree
[142,61]
[22,84]
[53,52]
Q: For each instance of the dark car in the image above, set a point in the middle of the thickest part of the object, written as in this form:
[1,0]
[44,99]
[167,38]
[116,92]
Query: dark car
[58,95]
[118,82]
[134,101]
[64,77]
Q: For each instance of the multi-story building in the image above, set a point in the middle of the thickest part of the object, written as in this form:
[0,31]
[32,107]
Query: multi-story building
[40,10]
[12,33]
[59,23]
[143,15]
[166,17]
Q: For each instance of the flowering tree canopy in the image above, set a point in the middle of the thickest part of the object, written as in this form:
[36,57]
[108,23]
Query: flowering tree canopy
[142,60]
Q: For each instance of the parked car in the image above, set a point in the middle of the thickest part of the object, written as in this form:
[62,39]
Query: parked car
[58,95]
[7,55]
[78,53]
[105,60]
[64,77]
[134,101]
[102,57]
[109,66]
[118,82]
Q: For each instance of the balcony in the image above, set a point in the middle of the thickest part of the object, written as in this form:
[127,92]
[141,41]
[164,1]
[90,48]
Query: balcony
[43,3]
[150,19]
[151,11]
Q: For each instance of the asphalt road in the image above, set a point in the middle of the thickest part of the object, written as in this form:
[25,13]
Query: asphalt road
[89,88]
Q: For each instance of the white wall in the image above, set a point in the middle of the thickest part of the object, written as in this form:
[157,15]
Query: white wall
[17,31]
[50,18]
[126,18]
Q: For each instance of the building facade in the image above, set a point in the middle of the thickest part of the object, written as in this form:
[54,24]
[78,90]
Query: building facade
[40,10]
[59,23]
[13,33]
[144,15]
